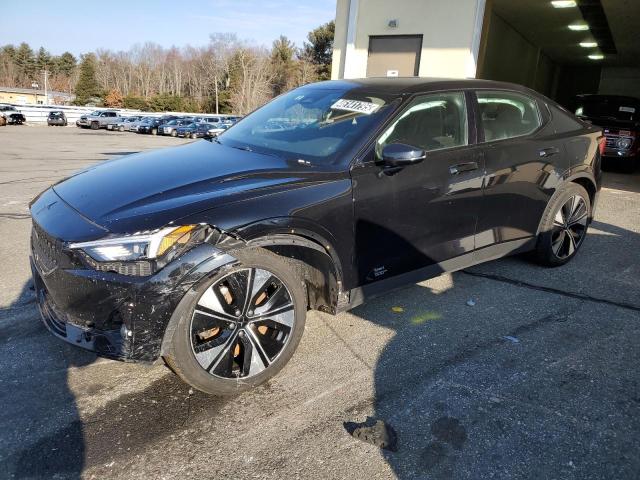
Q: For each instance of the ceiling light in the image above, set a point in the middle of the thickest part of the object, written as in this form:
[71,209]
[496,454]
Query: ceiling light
[563,3]
[596,56]
[588,44]
[578,27]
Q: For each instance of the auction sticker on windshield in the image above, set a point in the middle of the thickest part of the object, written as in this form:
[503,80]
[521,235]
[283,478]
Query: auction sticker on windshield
[355,106]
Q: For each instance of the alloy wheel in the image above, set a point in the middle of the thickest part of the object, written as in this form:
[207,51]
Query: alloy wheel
[242,323]
[569,227]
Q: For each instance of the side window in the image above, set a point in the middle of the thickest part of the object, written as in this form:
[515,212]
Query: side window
[563,122]
[431,122]
[507,115]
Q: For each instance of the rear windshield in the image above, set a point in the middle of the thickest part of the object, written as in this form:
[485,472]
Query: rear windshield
[614,108]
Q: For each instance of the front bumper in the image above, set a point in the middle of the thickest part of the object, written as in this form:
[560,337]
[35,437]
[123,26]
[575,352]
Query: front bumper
[116,316]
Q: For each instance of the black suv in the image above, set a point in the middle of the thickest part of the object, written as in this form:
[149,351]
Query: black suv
[619,116]
[209,255]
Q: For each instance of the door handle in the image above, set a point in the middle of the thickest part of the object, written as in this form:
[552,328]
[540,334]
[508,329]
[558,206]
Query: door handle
[463,167]
[547,152]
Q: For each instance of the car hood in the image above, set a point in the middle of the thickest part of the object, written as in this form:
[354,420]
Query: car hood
[149,190]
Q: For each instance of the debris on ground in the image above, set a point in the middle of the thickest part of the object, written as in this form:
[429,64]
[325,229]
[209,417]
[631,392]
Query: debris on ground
[471,302]
[397,309]
[511,339]
[374,431]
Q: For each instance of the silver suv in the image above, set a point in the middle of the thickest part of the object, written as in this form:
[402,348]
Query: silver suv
[99,119]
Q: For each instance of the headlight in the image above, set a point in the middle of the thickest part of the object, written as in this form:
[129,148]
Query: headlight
[624,143]
[140,246]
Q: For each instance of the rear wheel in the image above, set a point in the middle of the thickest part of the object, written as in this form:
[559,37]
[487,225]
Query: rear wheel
[242,327]
[154,131]
[564,226]
[121,128]
[194,136]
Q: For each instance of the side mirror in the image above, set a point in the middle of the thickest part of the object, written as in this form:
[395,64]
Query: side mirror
[402,155]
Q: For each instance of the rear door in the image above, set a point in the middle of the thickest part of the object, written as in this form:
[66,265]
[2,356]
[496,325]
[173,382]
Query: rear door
[524,158]
[427,212]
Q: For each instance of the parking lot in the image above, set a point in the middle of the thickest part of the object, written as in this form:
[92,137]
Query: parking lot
[506,370]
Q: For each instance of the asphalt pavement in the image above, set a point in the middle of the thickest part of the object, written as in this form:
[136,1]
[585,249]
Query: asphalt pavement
[506,370]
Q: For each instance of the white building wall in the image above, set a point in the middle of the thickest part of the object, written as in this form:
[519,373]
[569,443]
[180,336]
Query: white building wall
[451,31]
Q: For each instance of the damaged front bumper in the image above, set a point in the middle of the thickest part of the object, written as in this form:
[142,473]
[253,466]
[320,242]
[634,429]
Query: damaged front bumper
[118,316]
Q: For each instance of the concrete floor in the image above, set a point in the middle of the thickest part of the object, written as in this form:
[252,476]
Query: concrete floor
[539,379]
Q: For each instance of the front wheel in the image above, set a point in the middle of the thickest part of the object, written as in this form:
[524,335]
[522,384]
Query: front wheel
[564,226]
[154,131]
[194,136]
[95,125]
[242,326]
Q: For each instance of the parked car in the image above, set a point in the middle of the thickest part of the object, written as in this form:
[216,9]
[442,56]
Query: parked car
[216,130]
[209,255]
[152,125]
[57,118]
[123,124]
[98,119]
[133,126]
[169,128]
[619,116]
[11,115]
[193,130]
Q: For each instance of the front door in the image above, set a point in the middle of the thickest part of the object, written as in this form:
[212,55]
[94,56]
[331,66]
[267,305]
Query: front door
[425,213]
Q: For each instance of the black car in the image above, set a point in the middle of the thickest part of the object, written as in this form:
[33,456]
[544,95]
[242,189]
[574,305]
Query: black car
[194,130]
[57,118]
[209,255]
[619,116]
[151,125]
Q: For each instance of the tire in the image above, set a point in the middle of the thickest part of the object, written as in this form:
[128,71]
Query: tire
[174,133]
[121,129]
[564,226]
[232,372]
[95,125]
[194,136]
[154,131]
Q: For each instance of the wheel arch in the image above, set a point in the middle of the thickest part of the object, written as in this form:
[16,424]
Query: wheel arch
[313,250]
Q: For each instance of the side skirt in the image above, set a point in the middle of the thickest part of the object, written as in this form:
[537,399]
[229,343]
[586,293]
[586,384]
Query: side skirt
[360,295]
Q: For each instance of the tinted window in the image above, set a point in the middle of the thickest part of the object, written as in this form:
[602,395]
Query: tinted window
[431,122]
[507,115]
[563,122]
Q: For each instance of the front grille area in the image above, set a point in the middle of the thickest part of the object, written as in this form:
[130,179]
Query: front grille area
[46,250]
[611,141]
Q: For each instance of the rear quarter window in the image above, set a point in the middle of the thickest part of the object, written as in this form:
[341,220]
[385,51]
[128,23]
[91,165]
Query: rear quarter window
[563,122]
[505,114]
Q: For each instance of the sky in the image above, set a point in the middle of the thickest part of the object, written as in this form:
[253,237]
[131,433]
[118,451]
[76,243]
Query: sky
[82,26]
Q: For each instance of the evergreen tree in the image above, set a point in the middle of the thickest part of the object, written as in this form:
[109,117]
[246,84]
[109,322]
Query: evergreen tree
[319,50]
[283,64]
[25,61]
[87,86]
[43,59]
[65,64]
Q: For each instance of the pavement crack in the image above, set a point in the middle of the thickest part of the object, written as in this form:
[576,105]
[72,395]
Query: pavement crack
[556,291]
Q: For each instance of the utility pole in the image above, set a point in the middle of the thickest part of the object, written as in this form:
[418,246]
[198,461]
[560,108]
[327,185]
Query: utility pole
[46,96]
[215,81]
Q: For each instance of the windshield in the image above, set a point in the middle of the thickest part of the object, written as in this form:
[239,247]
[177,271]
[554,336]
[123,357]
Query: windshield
[312,123]
[616,108]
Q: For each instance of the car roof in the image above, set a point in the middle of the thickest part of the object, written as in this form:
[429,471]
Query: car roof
[619,98]
[411,85]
